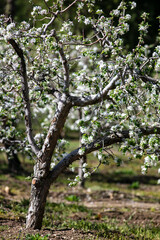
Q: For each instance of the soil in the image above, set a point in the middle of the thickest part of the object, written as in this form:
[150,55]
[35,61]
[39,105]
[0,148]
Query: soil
[122,206]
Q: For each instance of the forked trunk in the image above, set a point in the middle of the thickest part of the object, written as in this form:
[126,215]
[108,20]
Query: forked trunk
[39,192]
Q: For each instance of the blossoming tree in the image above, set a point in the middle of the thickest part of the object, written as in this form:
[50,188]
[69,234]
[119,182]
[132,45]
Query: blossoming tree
[48,65]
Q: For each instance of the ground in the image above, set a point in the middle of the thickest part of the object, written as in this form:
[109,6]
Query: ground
[115,204]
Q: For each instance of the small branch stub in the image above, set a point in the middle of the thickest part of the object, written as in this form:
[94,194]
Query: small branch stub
[34,180]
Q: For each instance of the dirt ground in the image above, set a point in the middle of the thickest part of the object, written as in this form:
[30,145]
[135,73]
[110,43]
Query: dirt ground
[124,207]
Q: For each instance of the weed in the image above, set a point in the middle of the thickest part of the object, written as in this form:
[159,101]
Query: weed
[20,207]
[3,228]
[72,198]
[124,171]
[134,185]
[56,213]
[36,237]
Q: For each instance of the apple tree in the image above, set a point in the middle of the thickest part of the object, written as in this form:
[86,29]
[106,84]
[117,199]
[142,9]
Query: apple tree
[56,65]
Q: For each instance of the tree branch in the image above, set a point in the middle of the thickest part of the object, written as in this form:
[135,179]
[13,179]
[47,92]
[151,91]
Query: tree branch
[93,99]
[25,92]
[107,140]
[64,10]
[64,62]
[50,22]
[148,79]
[63,107]
[85,44]
[10,142]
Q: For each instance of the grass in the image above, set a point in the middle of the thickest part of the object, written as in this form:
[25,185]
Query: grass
[57,213]
[114,230]
[36,237]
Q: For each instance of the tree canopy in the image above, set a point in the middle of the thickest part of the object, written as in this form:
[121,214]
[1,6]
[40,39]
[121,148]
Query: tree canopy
[48,66]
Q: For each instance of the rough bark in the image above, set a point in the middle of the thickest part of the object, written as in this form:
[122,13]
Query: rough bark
[39,192]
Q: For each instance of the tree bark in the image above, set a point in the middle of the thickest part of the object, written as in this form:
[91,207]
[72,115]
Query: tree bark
[82,160]
[39,192]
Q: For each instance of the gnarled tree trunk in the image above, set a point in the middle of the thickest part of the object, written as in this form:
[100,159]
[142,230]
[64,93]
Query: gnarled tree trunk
[39,191]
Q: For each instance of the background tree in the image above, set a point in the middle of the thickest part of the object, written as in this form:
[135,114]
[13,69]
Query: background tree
[50,65]
[22,11]
[14,164]
[83,159]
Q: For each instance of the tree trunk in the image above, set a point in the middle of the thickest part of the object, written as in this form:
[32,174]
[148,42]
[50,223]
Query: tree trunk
[80,171]
[82,160]
[39,192]
[14,165]
[10,8]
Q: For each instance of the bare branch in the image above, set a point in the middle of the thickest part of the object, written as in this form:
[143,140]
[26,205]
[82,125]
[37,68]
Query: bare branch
[64,10]
[93,99]
[56,13]
[25,92]
[10,142]
[85,44]
[8,90]
[64,63]
[50,22]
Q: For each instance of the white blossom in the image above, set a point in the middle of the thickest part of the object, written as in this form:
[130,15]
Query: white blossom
[116,12]
[90,139]
[83,129]
[157,66]
[99,11]
[84,165]
[86,174]
[101,64]
[53,164]
[10,26]
[133,5]
[130,108]
[100,157]
[128,16]
[81,151]
[43,12]
[143,169]
[143,28]
[87,21]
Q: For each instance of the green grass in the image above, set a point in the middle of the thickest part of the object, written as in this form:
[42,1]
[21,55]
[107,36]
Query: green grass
[36,237]
[114,230]
[4,227]
[72,198]
[56,213]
